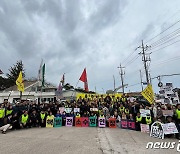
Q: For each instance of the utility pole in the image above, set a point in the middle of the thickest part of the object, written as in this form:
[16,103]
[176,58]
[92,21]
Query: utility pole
[141,80]
[145,58]
[121,73]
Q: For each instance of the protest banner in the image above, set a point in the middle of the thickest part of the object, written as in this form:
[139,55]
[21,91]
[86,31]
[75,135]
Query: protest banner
[76,110]
[131,125]
[68,110]
[61,109]
[144,128]
[112,123]
[167,112]
[69,121]
[157,130]
[78,122]
[101,122]
[148,94]
[92,121]
[170,128]
[58,122]
[124,124]
[50,121]
[85,121]
[144,112]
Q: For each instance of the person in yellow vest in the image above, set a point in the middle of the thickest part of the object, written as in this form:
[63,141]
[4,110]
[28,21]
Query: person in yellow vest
[24,120]
[42,118]
[9,110]
[78,115]
[148,119]
[138,121]
[2,115]
[177,120]
[121,109]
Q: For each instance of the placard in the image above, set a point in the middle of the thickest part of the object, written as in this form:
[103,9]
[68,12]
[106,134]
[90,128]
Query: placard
[94,109]
[170,128]
[76,110]
[92,121]
[68,110]
[168,113]
[58,122]
[131,125]
[145,128]
[101,122]
[144,112]
[69,121]
[124,124]
[50,121]
[61,109]
[157,130]
[85,121]
[112,122]
[78,122]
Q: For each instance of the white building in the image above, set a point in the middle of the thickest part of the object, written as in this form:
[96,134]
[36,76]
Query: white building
[32,92]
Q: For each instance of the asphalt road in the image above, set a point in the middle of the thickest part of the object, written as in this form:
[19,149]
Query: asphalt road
[73,140]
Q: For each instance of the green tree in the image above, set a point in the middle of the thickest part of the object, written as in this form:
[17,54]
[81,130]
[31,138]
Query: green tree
[14,72]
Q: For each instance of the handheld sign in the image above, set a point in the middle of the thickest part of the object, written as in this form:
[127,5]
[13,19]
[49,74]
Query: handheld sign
[101,122]
[78,122]
[112,123]
[167,112]
[170,128]
[157,130]
[124,124]
[58,122]
[68,110]
[49,121]
[131,125]
[76,110]
[69,121]
[144,128]
[92,121]
[85,121]
[144,112]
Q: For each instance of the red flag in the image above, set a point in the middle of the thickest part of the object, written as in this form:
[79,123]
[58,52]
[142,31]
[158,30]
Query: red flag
[83,78]
[1,72]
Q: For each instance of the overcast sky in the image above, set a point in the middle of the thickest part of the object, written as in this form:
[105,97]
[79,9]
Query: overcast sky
[70,35]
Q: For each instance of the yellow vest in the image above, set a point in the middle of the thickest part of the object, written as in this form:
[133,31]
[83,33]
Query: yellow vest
[2,111]
[127,111]
[78,116]
[42,115]
[178,114]
[121,109]
[148,121]
[50,117]
[8,112]
[24,119]
[138,119]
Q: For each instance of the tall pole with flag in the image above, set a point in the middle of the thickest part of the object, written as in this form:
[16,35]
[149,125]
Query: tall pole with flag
[83,78]
[20,84]
[41,76]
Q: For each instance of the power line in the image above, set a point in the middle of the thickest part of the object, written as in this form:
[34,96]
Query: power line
[166,46]
[166,37]
[132,60]
[163,31]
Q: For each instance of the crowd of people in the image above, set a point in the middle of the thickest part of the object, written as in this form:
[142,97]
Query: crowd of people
[27,114]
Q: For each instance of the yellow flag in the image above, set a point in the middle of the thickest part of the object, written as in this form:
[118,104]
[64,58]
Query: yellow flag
[19,82]
[148,94]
